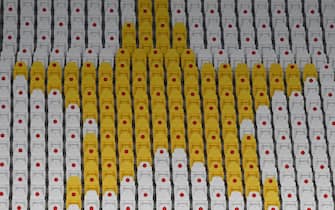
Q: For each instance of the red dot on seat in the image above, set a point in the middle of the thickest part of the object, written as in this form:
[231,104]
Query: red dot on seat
[127,180]
[37,194]
[199,180]
[1,193]
[181,194]
[109,194]
[253,195]
[306,181]
[91,208]
[164,208]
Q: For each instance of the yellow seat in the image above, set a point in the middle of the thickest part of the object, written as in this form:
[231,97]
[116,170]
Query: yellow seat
[91,155]
[244,99]
[229,126]
[258,70]
[225,71]
[214,157]
[233,170]
[270,184]
[72,97]
[171,57]
[144,4]
[163,43]
[216,171]
[271,199]
[178,138]
[227,98]
[259,84]
[88,83]
[196,155]
[228,112]
[234,184]
[293,84]
[129,43]
[122,56]
[109,184]
[20,68]
[160,140]
[54,68]
[122,70]
[179,37]
[106,97]
[129,29]
[248,142]
[139,59]
[73,189]
[90,111]
[143,155]
[37,80]
[208,71]
[107,126]
[105,83]
[90,140]
[107,139]
[161,4]
[155,57]
[162,16]
[187,58]
[242,84]
[105,68]
[310,71]
[245,113]
[276,71]
[108,160]
[252,185]
[230,142]
[250,158]
[144,15]
[145,37]
[261,98]
[225,84]
[242,70]
[54,83]
[126,168]
[71,82]
[92,184]
[276,84]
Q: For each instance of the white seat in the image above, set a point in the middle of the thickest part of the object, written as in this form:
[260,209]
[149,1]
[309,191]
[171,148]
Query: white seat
[236,201]
[91,200]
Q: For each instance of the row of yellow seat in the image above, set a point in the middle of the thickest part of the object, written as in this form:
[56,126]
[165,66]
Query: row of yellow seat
[193,104]
[162,29]
[175,104]
[229,130]
[211,121]
[245,105]
[107,129]
[158,100]
[89,115]
[141,107]
[124,113]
